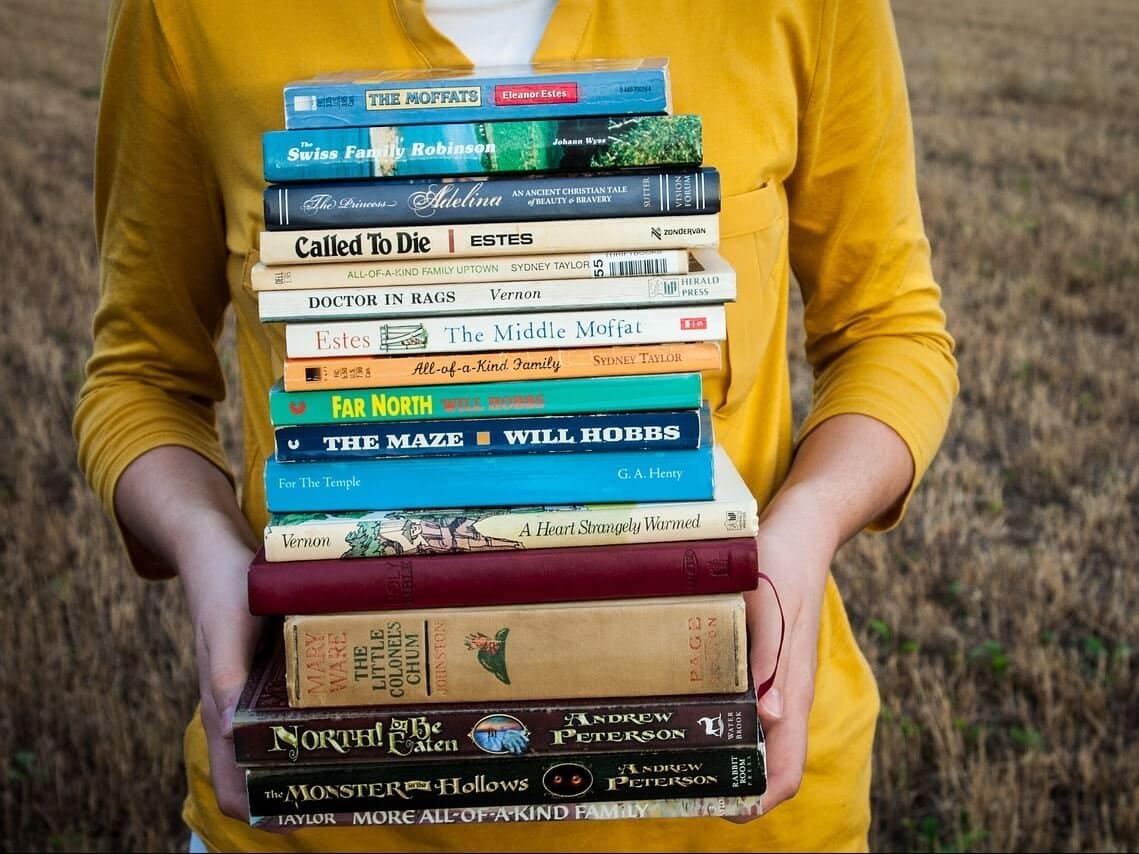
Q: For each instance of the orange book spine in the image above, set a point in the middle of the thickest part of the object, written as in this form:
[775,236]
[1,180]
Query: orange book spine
[441,369]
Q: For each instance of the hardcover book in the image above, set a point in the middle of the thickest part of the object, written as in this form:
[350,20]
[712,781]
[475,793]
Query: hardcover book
[613,647]
[506,268]
[343,204]
[731,512]
[580,432]
[618,571]
[522,331]
[493,480]
[710,807]
[496,238]
[355,372]
[601,143]
[511,781]
[485,400]
[710,280]
[268,731]
[534,90]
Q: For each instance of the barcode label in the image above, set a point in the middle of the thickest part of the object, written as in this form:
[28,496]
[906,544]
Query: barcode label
[304,103]
[650,266]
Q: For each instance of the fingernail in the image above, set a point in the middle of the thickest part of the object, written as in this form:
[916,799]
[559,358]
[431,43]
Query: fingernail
[772,703]
[227,721]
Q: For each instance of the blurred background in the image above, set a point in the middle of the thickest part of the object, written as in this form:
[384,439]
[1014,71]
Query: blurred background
[999,617]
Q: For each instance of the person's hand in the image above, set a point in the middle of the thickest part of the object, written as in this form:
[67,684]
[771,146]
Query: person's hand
[796,557]
[225,636]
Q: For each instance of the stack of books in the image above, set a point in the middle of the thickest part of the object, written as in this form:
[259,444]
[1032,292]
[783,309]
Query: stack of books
[571,643]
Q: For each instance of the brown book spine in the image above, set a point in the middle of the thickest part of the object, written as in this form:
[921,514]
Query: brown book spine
[336,372]
[629,647]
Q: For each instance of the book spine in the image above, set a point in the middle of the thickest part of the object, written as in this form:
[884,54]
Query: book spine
[490,480]
[340,204]
[749,806]
[455,149]
[355,372]
[507,268]
[683,645]
[600,432]
[485,732]
[486,400]
[629,571]
[600,778]
[377,533]
[335,103]
[474,297]
[483,332]
[335,245]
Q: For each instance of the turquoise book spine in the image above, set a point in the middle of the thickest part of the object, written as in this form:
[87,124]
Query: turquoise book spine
[486,400]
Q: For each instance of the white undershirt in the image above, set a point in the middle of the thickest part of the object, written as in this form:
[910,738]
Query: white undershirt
[492,32]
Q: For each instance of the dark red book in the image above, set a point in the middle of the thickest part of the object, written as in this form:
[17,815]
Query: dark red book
[576,573]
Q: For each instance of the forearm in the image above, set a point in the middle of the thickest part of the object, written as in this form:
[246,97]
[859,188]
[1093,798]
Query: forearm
[182,508]
[847,472]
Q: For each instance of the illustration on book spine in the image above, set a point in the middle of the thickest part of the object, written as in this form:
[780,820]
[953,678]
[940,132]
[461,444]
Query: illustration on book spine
[483,148]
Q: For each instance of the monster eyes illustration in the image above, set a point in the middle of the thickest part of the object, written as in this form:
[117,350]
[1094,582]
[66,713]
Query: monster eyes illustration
[567,780]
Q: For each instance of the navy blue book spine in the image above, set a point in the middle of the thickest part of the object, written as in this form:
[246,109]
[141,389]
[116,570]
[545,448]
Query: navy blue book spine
[341,204]
[494,480]
[599,432]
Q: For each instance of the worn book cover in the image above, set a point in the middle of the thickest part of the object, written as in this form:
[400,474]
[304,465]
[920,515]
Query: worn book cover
[268,731]
[616,647]
[612,571]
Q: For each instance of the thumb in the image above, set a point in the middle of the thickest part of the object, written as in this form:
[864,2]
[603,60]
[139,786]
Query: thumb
[229,647]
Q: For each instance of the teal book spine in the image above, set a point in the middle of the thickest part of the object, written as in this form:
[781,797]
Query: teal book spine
[483,148]
[494,480]
[485,400]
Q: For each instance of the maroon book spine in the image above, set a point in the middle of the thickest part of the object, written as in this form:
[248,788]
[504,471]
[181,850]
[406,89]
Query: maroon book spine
[576,573]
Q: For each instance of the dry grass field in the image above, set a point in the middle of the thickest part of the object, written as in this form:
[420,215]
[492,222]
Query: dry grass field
[999,617]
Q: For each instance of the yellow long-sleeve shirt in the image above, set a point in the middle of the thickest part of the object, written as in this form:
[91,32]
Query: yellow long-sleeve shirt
[805,115]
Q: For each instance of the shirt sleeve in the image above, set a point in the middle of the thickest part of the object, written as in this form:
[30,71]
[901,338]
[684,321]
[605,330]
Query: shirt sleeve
[153,377]
[876,336]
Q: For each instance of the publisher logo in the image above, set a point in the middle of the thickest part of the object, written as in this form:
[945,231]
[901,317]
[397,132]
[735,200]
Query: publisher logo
[516,95]
[713,726]
[693,323]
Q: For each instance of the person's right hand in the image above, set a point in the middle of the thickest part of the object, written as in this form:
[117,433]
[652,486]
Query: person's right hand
[225,636]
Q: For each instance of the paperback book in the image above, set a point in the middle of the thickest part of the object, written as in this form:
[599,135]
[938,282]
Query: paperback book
[435,271]
[533,90]
[451,149]
[747,806]
[357,372]
[323,535]
[524,331]
[579,433]
[464,579]
[493,480]
[613,647]
[267,731]
[324,246]
[710,280]
[485,400]
[510,781]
